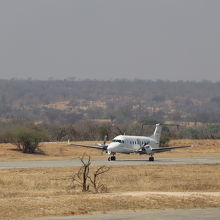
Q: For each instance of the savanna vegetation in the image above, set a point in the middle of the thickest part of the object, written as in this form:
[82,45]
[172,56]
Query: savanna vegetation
[70,101]
[33,111]
[28,132]
[26,193]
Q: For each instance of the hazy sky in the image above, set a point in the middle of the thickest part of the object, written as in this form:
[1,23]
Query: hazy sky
[108,39]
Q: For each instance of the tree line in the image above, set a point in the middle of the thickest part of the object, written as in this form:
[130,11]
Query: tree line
[33,111]
[28,136]
[71,101]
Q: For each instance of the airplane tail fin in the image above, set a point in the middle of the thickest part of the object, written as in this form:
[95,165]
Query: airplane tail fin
[157,133]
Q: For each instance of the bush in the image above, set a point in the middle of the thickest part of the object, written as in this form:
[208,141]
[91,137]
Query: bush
[28,139]
[193,133]
[214,128]
[7,136]
[164,140]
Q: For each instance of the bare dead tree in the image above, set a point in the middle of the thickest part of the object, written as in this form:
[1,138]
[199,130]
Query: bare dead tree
[83,179]
[97,185]
[80,178]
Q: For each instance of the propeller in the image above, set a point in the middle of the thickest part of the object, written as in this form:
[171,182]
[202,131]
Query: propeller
[105,139]
[104,145]
[143,147]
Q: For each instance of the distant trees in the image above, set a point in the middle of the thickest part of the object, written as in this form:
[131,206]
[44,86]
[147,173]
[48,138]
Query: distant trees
[7,136]
[124,106]
[164,141]
[27,137]
[119,100]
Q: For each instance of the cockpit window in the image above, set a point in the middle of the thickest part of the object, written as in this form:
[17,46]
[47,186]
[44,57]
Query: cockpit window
[119,141]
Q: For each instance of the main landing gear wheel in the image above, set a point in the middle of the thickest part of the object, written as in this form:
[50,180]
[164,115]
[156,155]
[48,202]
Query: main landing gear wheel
[111,158]
[151,158]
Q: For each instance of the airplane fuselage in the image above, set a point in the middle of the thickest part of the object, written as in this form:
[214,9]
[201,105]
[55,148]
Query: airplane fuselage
[132,144]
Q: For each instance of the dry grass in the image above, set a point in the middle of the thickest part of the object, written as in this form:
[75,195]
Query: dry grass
[61,151]
[43,192]
[51,151]
[72,205]
[200,148]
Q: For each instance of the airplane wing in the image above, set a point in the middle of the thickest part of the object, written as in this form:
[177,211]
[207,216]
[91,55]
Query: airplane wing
[101,147]
[163,149]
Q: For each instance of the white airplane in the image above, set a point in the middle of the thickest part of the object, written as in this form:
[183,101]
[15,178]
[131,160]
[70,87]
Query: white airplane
[134,144]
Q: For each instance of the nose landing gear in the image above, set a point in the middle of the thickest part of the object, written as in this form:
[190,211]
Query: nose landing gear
[112,158]
[151,158]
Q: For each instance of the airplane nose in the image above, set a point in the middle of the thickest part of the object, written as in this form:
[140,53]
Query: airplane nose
[112,146]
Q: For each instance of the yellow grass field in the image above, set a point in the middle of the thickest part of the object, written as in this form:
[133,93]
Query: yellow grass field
[35,192]
[61,151]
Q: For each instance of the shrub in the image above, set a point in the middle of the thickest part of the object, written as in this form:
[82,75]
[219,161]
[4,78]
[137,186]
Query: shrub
[164,140]
[28,139]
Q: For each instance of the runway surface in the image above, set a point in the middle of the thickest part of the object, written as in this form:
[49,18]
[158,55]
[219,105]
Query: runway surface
[124,162]
[179,214]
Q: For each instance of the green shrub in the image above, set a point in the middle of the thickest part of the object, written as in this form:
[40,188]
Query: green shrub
[164,140]
[28,139]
